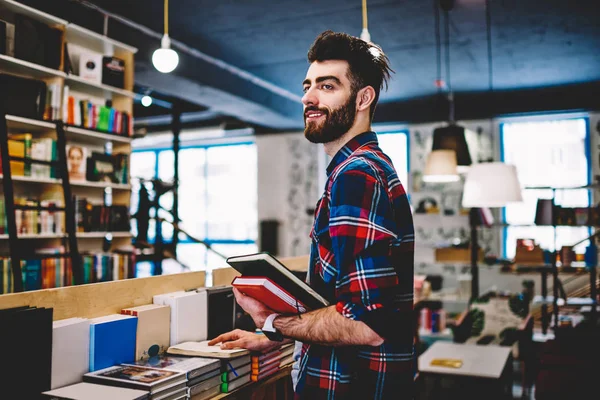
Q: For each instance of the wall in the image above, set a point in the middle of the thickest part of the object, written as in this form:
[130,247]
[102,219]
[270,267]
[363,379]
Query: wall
[288,188]
[291,176]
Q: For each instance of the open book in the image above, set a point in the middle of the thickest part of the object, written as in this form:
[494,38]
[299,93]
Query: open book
[266,266]
[202,349]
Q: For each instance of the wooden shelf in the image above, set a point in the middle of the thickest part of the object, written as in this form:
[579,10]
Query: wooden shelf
[86,38]
[79,84]
[82,135]
[16,123]
[36,236]
[103,185]
[16,66]
[41,16]
[30,179]
[100,235]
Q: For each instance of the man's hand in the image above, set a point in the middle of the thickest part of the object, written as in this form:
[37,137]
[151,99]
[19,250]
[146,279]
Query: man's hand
[245,340]
[257,310]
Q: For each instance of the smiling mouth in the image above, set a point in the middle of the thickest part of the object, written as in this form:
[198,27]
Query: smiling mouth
[312,115]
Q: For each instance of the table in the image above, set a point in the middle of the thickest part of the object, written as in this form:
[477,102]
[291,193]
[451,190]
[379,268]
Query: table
[486,372]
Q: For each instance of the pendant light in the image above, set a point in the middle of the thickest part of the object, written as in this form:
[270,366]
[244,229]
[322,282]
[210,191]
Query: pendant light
[365,35]
[165,59]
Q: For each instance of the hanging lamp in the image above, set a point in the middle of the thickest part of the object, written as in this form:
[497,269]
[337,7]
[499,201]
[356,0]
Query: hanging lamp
[165,59]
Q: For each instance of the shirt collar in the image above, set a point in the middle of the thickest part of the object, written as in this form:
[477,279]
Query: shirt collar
[349,148]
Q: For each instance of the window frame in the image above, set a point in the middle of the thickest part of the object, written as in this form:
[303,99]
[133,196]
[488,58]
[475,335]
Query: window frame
[545,118]
[186,240]
[393,130]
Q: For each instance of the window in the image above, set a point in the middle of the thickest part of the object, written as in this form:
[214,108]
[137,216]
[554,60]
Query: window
[546,154]
[395,145]
[217,200]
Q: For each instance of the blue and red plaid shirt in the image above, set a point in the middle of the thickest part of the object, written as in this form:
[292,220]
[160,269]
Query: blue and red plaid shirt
[362,258]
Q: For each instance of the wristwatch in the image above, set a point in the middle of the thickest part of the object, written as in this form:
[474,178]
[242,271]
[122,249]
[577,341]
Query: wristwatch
[269,330]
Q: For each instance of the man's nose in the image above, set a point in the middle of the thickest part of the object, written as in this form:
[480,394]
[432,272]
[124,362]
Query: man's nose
[309,98]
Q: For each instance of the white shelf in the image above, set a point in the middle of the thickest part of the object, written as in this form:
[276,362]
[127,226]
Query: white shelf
[16,66]
[30,179]
[118,186]
[92,137]
[100,235]
[571,301]
[16,123]
[79,84]
[84,37]
[32,13]
[36,236]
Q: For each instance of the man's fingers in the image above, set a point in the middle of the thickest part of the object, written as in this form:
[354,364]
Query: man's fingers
[225,337]
[242,343]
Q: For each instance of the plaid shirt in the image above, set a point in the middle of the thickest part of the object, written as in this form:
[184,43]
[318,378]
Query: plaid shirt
[362,257]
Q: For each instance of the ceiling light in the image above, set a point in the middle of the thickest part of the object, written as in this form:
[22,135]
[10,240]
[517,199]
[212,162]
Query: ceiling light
[146,101]
[441,167]
[165,59]
[365,35]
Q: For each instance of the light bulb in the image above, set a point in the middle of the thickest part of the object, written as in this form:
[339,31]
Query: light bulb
[165,59]
[146,101]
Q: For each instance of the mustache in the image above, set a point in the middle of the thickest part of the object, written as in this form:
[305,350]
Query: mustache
[315,108]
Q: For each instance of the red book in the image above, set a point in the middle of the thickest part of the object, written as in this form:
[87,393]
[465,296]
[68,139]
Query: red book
[268,292]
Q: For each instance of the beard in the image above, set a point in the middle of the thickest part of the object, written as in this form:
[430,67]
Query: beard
[336,124]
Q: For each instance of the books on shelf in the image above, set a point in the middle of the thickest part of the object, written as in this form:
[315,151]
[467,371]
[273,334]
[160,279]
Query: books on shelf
[94,391]
[6,276]
[268,292]
[266,266]
[158,382]
[232,373]
[90,114]
[202,349]
[207,385]
[152,338]
[104,267]
[70,351]
[112,340]
[267,364]
[228,387]
[188,315]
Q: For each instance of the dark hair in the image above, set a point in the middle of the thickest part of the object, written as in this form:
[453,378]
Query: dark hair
[369,66]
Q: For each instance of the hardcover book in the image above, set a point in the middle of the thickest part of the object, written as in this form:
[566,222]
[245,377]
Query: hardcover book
[192,366]
[92,391]
[268,292]
[152,337]
[228,387]
[70,351]
[188,315]
[112,340]
[136,377]
[267,266]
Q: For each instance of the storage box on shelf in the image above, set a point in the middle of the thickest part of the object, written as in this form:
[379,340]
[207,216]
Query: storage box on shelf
[41,155]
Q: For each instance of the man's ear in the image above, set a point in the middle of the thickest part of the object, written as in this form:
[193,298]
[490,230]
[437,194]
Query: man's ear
[364,98]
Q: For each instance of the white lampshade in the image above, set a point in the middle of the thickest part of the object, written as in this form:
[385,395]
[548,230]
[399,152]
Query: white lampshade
[441,167]
[165,59]
[494,184]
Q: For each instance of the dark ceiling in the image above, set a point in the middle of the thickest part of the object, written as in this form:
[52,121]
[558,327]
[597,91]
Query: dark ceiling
[544,53]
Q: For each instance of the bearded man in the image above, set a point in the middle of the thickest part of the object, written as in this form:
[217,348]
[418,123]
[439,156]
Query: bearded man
[362,251]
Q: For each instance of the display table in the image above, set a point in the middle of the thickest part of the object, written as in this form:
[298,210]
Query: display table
[486,372]
[275,387]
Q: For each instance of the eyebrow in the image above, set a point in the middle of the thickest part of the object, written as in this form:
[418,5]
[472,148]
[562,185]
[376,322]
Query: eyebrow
[322,79]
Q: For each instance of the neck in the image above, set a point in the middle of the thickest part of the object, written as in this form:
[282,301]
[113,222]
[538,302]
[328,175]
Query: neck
[361,124]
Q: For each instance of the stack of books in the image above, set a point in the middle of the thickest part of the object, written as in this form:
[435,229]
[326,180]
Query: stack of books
[202,374]
[188,315]
[159,383]
[267,364]
[236,373]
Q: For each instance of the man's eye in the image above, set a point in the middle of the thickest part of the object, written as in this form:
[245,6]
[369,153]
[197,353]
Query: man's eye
[305,89]
[327,87]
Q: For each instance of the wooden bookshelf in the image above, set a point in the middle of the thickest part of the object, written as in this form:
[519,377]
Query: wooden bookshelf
[121,99]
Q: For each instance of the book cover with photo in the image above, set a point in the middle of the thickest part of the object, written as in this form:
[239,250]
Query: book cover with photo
[76,162]
[136,377]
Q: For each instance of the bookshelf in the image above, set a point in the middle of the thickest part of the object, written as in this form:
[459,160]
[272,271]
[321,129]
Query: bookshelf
[103,127]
